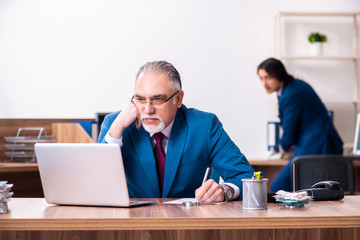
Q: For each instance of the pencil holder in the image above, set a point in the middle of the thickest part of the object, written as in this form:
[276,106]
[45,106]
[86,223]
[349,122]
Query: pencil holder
[255,193]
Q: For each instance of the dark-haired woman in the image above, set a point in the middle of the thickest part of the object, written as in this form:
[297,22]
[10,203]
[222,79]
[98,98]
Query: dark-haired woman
[307,127]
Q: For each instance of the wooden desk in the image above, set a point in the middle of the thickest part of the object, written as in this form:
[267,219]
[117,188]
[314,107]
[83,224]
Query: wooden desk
[27,183]
[24,176]
[33,218]
[18,167]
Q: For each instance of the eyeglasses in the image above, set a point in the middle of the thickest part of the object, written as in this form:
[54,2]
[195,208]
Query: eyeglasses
[141,102]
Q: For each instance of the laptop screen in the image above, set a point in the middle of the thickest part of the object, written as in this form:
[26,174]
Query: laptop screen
[82,174]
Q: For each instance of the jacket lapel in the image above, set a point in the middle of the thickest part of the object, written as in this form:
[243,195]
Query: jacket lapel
[174,150]
[142,144]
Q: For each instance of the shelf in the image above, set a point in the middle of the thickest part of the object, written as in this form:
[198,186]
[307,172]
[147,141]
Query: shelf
[282,47]
[18,167]
[317,14]
[320,58]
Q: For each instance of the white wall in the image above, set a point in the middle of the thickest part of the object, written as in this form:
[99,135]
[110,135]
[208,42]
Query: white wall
[70,59]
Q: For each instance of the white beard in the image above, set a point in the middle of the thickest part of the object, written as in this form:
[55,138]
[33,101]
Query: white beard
[152,129]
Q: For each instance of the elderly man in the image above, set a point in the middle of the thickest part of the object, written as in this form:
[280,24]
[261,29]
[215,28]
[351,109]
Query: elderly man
[167,147]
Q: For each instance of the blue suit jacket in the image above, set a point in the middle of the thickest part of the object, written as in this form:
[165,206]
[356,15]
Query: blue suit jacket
[305,122]
[197,141]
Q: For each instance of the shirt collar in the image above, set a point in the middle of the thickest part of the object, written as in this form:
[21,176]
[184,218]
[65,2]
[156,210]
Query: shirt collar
[280,92]
[167,130]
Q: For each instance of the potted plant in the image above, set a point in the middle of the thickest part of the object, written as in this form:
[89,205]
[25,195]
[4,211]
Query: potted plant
[316,40]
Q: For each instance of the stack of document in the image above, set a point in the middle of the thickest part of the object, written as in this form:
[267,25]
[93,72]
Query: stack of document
[293,199]
[5,196]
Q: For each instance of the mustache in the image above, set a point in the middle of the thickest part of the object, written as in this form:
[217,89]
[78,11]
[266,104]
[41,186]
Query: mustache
[144,116]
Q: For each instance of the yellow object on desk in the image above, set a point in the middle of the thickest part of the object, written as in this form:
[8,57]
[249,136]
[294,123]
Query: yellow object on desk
[258,175]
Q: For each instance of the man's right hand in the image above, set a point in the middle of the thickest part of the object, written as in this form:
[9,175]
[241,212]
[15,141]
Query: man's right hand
[126,117]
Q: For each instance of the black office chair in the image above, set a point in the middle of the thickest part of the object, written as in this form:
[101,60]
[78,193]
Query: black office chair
[308,170]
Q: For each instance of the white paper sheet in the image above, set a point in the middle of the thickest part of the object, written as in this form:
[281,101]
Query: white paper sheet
[181,200]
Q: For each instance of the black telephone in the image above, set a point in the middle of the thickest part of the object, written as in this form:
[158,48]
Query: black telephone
[331,185]
[326,191]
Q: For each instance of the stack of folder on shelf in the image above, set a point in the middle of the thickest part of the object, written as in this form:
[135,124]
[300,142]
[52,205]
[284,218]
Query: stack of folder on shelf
[5,196]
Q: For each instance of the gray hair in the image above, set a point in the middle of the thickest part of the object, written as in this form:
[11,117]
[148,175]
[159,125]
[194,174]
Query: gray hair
[163,67]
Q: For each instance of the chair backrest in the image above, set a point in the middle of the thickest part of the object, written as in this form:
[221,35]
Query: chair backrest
[308,170]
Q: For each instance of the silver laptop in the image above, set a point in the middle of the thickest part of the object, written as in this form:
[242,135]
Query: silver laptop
[88,174]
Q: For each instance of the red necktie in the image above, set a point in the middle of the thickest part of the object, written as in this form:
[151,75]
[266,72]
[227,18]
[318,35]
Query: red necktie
[160,158]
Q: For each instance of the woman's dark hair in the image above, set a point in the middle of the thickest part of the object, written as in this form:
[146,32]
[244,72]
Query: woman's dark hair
[276,69]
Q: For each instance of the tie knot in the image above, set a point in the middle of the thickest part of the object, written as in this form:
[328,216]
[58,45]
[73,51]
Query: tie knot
[158,137]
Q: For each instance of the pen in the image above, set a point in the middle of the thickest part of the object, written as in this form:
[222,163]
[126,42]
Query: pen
[206,175]
[257,175]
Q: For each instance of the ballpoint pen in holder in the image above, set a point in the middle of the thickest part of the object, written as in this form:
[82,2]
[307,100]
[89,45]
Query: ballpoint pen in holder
[255,192]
